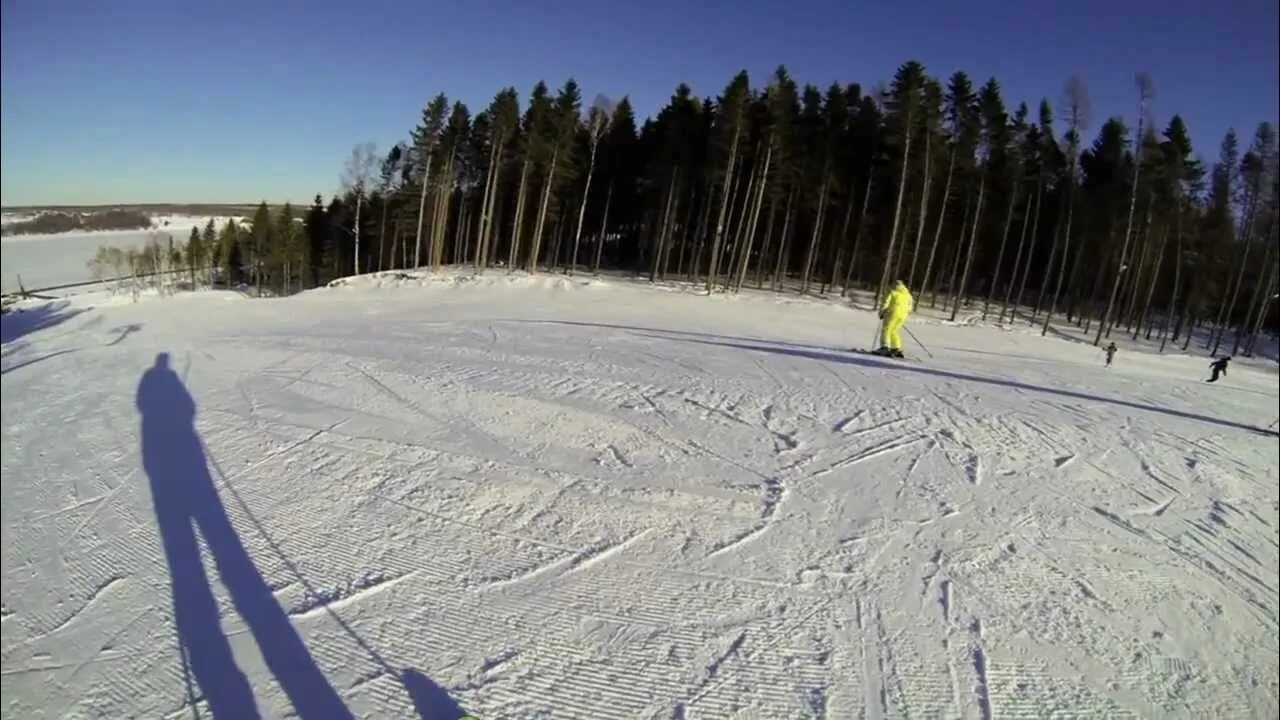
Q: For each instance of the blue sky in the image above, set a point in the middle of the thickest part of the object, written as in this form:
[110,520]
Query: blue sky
[169,101]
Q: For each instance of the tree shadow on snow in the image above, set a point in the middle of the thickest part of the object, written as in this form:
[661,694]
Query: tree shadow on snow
[17,322]
[186,500]
[829,355]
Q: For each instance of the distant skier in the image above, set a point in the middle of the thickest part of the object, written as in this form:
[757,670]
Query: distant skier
[1111,353]
[1219,367]
[897,305]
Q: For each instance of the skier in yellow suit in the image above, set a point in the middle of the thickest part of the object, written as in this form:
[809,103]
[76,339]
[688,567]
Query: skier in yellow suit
[897,305]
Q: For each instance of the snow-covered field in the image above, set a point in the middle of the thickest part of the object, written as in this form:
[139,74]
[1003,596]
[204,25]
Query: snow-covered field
[551,497]
[62,258]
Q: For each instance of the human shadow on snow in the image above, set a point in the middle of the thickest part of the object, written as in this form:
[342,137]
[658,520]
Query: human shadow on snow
[830,355]
[186,500]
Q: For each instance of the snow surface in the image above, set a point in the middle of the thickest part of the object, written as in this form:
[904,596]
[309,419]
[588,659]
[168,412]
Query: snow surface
[562,497]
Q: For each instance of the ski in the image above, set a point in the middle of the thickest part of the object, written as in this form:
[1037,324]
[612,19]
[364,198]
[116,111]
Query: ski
[872,353]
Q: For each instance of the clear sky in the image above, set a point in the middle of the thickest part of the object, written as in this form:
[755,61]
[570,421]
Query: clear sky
[175,101]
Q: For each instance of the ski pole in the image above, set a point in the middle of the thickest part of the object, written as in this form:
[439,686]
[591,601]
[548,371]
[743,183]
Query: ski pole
[913,337]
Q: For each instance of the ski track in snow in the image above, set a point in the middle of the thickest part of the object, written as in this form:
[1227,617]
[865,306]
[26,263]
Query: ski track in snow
[558,497]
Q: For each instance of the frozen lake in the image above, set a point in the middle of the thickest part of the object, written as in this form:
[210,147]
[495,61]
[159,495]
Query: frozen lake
[60,259]
[45,260]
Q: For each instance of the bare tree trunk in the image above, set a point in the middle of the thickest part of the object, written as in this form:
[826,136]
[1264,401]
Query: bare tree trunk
[1004,238]
[486,206]
[1132,292]
[395,239]
[1224,318]
[740,227]
[542,211]
[1191,326]
[1128,230]
[422,206]
[755,218]
[1019,277]
[1177,282]
[924,209]
[1151,287]
[382,232]
[857,234]
[1048,268]
[444,201]
[461,230]
[1062,269]
[513,252]
[582,211]
[668,232]
[897,213]
[718,238]
[1265,303]
[937,229]
[1253,302]
[1092,300]
[843,240]
[444,204]
[356,256]
[730,226]
[703,226]
[783,239]
[973,243]
[604,230]
[553,259]
[818,222]
[768,241]
[957,252]
[660,232]
[1245,238]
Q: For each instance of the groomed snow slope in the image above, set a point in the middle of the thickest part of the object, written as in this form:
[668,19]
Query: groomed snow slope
[544,497]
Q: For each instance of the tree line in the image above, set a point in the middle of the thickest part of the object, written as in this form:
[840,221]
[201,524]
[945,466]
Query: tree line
[1006,214]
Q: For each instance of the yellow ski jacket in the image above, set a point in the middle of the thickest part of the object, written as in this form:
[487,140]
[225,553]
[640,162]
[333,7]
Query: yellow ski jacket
[898,304]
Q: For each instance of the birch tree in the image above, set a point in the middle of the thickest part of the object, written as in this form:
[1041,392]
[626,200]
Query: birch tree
[357,178]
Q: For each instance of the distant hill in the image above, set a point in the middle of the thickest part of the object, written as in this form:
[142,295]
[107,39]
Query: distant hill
[210,209]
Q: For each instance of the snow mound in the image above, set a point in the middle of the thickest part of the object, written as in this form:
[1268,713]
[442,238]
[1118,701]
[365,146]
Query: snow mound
[455,277]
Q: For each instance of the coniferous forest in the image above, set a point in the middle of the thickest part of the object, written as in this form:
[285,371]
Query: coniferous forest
[1008,211]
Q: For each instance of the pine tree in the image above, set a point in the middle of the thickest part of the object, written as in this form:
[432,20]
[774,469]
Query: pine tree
[621,162]
[317,231]
[904,101]
[229,246]
[959,101]
[262,239]
[989,117]
[535,129]
[388,188]
[193,253]
[1255,177]
[1145,92]
[1011,171]
[597,125]
[426,137]
[827,140]
[562,123]
[1077,114]
[504,115]
[208,249]
[730,126]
